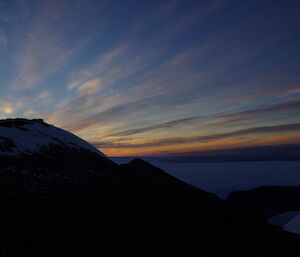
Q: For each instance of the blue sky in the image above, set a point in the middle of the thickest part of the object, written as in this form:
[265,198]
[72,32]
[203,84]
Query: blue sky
[154,77]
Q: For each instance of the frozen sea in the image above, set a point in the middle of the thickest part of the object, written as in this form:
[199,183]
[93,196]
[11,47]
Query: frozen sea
[221,178]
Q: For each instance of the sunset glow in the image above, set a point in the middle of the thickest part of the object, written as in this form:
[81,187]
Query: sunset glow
[154,77]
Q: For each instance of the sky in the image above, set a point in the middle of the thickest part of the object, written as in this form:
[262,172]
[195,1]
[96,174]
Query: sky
[155,77]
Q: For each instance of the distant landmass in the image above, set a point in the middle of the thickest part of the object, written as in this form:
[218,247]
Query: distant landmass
[286,152]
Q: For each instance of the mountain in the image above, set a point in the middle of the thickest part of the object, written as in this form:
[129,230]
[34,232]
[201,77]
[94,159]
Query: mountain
[61,197]
[19,137]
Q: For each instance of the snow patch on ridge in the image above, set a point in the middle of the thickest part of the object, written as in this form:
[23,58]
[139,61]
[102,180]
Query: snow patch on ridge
[19,137]
[290,221]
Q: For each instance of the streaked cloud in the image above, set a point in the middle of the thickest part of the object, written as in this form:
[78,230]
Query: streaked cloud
[281,106]
[44,96]
[89,87]
[164,125]
[45,47]
[94,70]
[206,138]
[154,77]
[3,41]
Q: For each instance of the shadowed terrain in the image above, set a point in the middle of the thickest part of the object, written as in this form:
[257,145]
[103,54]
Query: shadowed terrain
[69,201]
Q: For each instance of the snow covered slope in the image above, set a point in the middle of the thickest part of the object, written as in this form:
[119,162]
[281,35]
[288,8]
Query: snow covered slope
[25,137]
[290,221]
[293,225]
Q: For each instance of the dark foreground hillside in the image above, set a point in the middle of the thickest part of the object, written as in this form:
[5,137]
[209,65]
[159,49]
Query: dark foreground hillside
[130,210]
[64,202]
[265,202]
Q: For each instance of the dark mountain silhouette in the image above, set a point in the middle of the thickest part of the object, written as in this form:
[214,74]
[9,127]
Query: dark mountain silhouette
[60,197]
[265,202]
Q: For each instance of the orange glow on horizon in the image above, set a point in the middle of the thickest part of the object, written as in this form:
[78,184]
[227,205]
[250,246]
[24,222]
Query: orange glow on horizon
[234,142]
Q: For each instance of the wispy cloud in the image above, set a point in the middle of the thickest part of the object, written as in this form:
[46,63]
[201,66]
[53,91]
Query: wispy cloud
[162,70]
[168,7]
[102,64]
[151,86]
[45,47]
[163,125]
[44,96]
[150,94]
[278,107]
[90,87]
[216,119]
[201,139]
[3,41]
